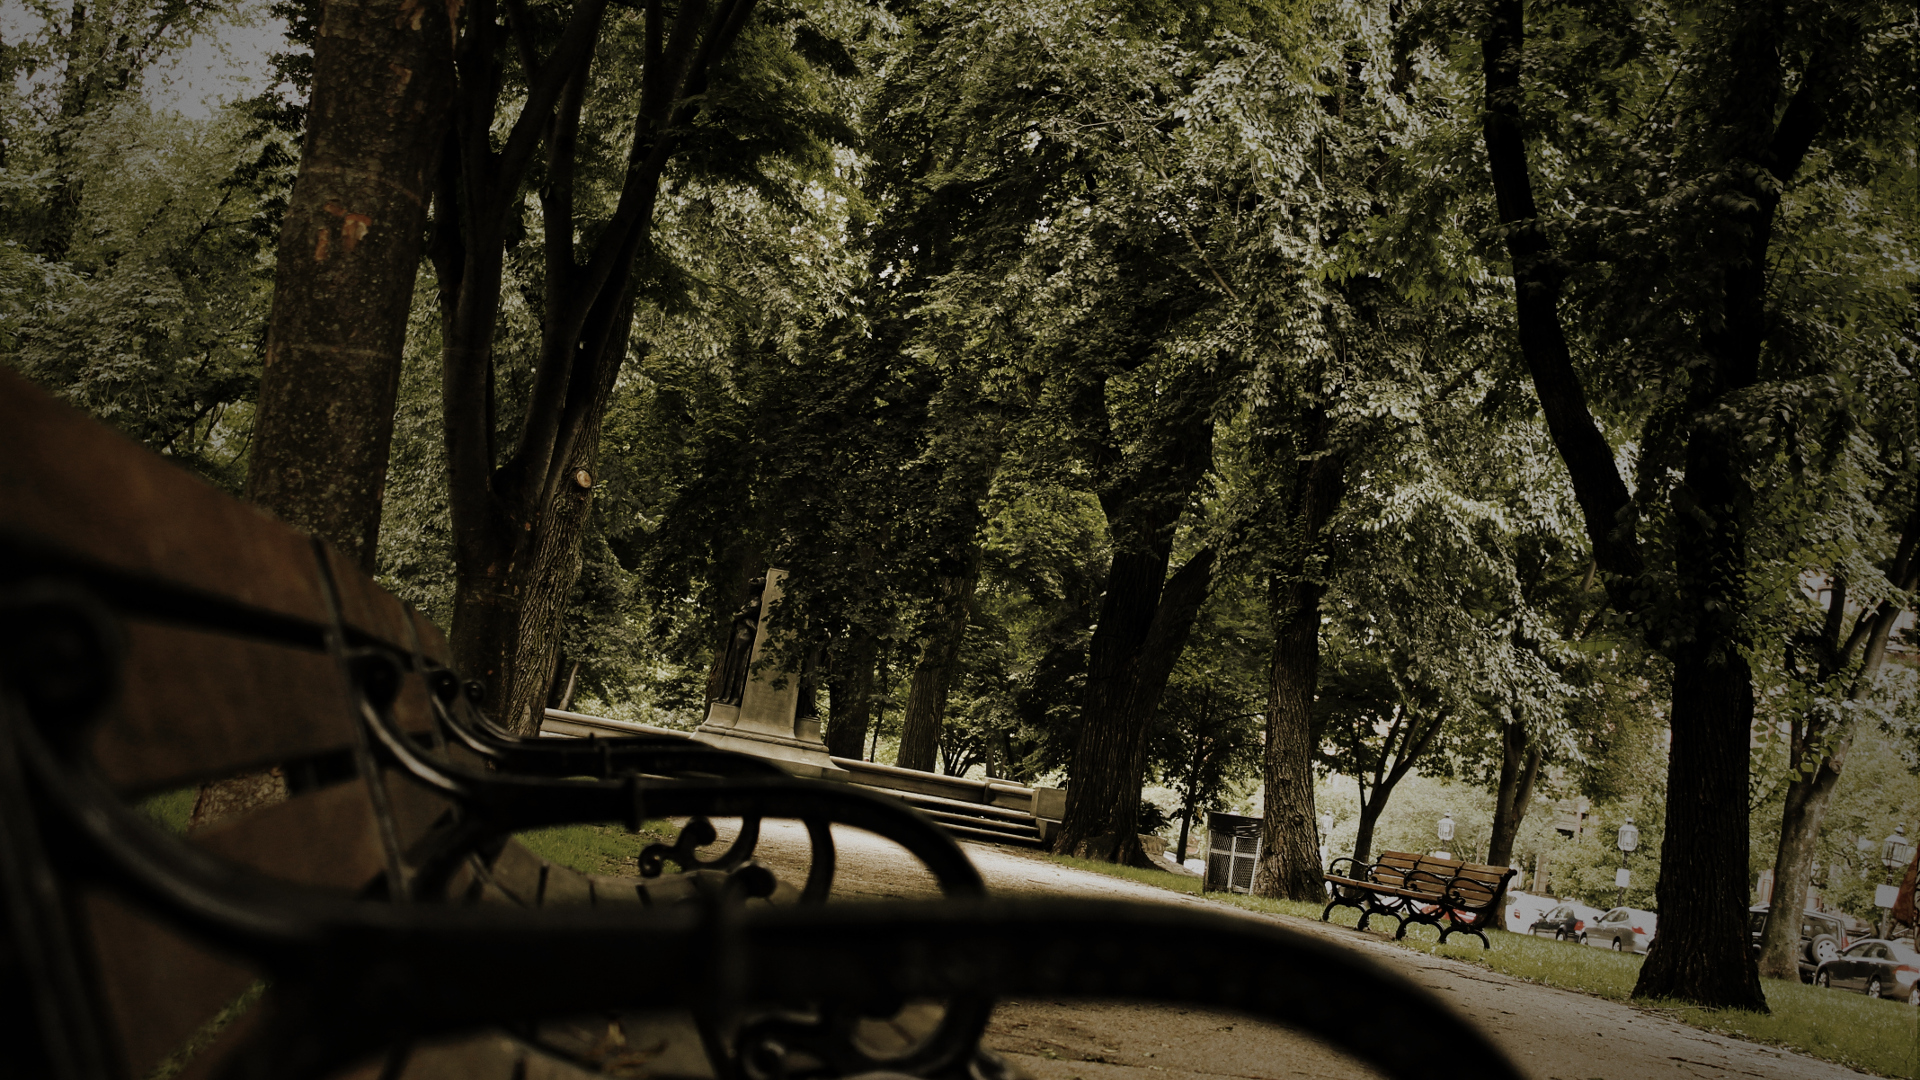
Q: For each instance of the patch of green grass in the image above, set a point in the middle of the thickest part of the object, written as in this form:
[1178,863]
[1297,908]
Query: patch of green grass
[1267,905]
[597,849]
[1853,1029]
[1567,965]
[175,1063]
[1876,1036]
[171,810]
[1176,882]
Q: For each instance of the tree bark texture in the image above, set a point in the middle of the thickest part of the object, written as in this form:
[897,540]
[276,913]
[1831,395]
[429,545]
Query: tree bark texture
[850,689]
[350,245]
[1289,864]
[518,515]
[1371,803]
[555,560]
[933,675]
[1180,602]
[1703,854]
[1704,954]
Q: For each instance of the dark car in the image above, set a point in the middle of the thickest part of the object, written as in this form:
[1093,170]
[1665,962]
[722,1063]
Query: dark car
[1822,937]
[1623,929]
[1565,921]
[1877,968]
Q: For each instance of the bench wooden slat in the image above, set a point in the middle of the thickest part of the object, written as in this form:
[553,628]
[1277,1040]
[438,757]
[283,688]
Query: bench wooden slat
[431,642]
[368,608]
[327,838]
[413,707]
[202,706]
[157,986]
[74,484]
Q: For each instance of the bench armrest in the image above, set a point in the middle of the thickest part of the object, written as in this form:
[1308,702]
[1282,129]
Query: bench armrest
[1347,867]
[498,803]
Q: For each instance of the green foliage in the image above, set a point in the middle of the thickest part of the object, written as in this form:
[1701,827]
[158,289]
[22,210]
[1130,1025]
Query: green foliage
[151,317]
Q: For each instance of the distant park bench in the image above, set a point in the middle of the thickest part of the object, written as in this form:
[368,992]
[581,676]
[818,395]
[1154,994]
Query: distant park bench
[1449,895]
[156,634]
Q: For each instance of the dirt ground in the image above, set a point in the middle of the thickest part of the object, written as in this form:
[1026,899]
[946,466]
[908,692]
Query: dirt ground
[1551,1034]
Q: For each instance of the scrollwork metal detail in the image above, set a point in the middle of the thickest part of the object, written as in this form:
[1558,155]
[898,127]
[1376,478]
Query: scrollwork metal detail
[685,849]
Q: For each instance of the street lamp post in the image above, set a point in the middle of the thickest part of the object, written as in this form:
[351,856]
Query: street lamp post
[1326,836]
[1895,852]
[1445,831]
[1627,841]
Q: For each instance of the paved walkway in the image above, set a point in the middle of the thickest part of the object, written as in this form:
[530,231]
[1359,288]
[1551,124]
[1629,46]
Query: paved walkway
[1552,1034]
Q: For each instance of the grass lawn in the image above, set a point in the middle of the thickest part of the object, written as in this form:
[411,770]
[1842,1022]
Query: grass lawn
[171,809]
[597,849]
[1851,1029]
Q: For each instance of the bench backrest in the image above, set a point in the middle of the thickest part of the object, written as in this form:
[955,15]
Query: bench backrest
[227,617]
[1475,884]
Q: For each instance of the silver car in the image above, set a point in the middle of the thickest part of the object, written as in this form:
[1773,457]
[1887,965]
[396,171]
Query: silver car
[1623,930]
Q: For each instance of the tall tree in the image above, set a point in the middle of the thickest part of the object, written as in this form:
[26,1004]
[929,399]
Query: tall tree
[1700,311]
[350,247]
[1838,667]
[521,472]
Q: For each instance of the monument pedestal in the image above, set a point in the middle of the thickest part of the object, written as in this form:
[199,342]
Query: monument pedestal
[765,722]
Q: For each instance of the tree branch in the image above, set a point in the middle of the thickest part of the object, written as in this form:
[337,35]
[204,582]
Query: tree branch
[1605,504]
[571,58]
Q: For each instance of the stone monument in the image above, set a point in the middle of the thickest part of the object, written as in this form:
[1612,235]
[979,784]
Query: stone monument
[757,710]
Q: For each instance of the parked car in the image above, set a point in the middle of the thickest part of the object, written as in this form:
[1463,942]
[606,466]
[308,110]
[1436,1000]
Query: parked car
[1567,921]
[1623,929]
[1877,968]
[1525,909]
[1823,937]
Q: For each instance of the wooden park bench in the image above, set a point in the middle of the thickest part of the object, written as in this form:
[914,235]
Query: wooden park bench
[1450,895]
[156,634]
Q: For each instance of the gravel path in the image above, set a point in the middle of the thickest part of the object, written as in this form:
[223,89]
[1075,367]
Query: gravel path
[1552,1034]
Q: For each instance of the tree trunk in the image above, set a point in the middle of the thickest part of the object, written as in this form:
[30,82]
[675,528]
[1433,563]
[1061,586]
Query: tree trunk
[1180,602]
[1370,808]
[350,246]
[1143,629]
[560,696]
[554,565]
[1103,751]
[933,676]
[850,694]
[1808,795]
[1289,864]
[1703,886]
[1186,820]
[517,522]
[1196,765]
[1519,767]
